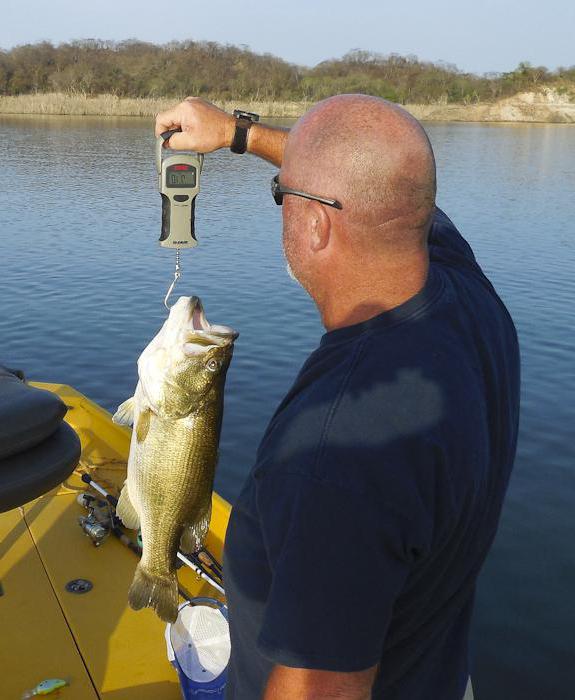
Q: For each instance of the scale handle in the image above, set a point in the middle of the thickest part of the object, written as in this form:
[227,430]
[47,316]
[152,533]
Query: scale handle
[168,134]
[162,138]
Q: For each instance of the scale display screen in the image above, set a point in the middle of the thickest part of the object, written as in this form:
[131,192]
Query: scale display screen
[182,175]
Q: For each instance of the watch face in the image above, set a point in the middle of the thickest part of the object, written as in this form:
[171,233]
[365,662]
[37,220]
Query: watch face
[251,116]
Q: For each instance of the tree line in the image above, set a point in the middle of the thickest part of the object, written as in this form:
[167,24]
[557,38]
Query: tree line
[139,69]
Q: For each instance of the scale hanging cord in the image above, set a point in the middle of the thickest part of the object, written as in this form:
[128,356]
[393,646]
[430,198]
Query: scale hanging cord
[177,275]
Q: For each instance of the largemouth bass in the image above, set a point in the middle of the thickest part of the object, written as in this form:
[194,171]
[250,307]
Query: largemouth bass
[176,412]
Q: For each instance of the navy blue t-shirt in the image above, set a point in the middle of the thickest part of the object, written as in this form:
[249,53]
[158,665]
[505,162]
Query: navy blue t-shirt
[378,485]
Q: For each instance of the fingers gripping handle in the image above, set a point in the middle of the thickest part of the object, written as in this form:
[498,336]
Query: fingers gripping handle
[160,141]
[166,135]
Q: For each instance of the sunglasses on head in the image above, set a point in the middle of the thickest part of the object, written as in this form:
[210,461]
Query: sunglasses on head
[278,192]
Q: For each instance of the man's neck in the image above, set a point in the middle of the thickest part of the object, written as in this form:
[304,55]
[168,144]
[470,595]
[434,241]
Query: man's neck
[354,298]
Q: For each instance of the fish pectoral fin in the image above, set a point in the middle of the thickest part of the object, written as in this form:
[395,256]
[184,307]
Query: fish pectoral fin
[193,535]
[143,425]
[189,541]
[125,413]
[125,510]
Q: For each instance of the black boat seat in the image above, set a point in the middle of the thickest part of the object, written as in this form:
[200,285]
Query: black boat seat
[30,474]
[37,449]
[27,415]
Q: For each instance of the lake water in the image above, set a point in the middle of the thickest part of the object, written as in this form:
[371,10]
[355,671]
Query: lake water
[83,278]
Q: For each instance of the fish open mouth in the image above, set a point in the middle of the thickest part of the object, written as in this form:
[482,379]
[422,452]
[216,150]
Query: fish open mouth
[198,319]
[200,324]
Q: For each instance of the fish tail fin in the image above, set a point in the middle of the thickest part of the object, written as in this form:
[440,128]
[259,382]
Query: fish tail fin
[149,591]
[125,510]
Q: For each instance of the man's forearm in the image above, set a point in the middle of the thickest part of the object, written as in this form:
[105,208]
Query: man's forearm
[268,142]
[286,683]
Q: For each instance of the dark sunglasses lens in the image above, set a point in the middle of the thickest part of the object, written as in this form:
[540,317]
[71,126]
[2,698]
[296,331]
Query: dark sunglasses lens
[276,193]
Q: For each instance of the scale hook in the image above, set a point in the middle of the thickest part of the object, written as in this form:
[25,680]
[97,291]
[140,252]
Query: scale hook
[177,275]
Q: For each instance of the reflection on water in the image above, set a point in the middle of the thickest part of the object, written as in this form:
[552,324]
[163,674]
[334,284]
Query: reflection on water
[83,281]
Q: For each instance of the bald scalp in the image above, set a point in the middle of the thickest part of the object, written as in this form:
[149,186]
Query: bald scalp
[375,158]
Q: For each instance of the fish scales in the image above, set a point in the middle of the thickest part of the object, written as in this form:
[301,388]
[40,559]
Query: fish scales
[177,414]
[184,492]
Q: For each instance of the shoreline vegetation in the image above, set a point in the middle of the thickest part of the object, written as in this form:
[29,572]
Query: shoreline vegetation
[545,106]
[135,78]
[114,106]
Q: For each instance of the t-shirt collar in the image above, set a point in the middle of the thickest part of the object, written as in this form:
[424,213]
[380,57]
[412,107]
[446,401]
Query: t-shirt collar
[411,308]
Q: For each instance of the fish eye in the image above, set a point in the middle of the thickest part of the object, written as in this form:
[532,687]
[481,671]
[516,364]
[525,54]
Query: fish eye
[212,365]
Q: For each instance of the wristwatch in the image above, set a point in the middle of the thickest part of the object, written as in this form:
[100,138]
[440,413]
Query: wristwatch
[244,120]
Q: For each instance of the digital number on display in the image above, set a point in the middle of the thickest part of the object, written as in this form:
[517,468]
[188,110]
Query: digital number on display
[181,176]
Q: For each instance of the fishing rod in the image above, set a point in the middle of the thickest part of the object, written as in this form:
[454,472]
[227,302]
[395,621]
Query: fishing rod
[204,556]
[98,529]
[196,565]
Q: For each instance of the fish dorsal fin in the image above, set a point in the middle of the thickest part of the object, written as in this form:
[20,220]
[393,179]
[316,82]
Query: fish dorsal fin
[143,425]
[125,413]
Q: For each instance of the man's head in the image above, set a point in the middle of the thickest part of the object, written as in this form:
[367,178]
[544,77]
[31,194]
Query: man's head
[375,159]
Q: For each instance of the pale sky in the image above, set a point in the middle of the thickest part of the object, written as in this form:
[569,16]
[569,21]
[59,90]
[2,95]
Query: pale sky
[479,36]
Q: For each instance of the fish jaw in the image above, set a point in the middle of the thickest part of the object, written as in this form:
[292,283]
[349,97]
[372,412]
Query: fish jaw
[172,368]
[187,315]
[186,322]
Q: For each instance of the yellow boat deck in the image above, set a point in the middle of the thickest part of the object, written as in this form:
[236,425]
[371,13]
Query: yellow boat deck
[94,640]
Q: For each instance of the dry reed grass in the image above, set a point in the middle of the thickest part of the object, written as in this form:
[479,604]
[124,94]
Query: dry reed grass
[113,106]
[528,107]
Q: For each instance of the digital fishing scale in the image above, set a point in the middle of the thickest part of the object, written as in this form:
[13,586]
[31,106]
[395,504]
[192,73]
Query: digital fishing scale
[179,184]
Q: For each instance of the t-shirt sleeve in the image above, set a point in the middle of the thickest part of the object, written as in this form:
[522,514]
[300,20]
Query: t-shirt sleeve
[338,564]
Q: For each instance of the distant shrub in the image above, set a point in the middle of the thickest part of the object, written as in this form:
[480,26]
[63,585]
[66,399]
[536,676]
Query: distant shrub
[223,72]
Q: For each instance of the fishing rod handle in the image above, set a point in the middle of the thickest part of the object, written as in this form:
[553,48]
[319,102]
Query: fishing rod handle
[87,479]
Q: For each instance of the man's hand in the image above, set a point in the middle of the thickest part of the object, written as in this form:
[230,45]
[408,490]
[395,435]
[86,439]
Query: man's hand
[204,126]
[287,683]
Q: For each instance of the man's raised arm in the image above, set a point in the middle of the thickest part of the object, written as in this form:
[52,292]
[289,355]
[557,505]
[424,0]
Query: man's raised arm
[207,128]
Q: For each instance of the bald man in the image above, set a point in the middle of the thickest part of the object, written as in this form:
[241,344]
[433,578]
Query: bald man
[354,547]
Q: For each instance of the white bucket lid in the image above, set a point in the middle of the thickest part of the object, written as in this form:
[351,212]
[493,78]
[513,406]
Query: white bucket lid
[200,641]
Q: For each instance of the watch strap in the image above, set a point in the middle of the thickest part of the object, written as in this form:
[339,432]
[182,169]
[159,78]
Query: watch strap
[244,120]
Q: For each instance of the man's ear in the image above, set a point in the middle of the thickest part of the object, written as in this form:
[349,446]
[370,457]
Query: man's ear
[320,227]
